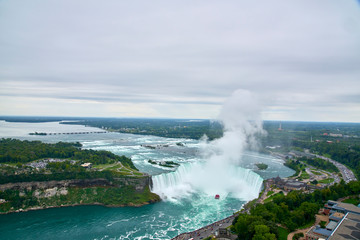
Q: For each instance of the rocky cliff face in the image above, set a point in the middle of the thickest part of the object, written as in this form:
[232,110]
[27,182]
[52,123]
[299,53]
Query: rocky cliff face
[123,191]
[139,183]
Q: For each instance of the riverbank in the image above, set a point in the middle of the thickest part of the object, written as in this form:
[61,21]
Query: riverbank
[19,197]
[86,204]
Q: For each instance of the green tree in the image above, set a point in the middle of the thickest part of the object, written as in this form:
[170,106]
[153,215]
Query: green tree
[262,232]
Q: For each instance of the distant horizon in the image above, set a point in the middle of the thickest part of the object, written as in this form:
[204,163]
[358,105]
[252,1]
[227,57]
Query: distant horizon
[56,118]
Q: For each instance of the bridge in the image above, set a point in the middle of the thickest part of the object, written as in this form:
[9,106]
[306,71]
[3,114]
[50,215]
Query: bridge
[68,133]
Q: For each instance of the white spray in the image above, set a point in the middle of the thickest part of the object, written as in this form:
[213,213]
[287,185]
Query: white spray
[220,173]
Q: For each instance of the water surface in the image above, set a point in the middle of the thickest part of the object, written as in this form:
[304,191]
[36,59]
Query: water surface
[164,220]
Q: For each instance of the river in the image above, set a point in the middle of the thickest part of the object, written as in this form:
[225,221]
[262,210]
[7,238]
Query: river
[188,203]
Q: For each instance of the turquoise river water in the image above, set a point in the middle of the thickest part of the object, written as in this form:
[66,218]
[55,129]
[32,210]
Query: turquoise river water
[187,191]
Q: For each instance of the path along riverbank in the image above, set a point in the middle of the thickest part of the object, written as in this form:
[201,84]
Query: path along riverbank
[207,230]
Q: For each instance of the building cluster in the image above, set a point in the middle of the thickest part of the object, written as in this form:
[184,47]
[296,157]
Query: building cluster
[43,163]
[344,223]
[86,165]
[289,185]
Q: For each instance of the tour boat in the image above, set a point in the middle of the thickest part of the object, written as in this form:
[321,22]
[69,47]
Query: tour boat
[217,196]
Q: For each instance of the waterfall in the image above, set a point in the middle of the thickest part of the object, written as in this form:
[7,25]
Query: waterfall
[192,178]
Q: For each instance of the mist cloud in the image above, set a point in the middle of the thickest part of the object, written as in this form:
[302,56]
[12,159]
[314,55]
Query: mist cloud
[220,170]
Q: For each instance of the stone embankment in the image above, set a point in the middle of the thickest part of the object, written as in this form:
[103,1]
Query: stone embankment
[208,230]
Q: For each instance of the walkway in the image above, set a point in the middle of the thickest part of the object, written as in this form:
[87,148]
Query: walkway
[207,230]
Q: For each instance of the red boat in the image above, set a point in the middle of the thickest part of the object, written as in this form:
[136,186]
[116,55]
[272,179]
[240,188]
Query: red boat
[217,196]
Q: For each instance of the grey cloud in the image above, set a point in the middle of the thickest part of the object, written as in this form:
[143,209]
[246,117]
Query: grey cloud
[180,52]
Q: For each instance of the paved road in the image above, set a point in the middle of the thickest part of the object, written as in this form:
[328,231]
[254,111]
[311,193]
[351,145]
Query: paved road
[346,173]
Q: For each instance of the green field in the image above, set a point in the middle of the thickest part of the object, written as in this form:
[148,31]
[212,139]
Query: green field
[327,181]
[283,233]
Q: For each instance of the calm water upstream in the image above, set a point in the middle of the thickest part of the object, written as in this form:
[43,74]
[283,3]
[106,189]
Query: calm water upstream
[186,206]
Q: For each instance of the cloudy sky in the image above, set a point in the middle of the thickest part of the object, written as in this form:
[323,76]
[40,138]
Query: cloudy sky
[180,59]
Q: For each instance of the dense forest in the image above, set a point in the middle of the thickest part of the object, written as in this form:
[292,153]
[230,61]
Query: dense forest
[320,163]
[17,151]
[343,152]
[292,211]
[173,128]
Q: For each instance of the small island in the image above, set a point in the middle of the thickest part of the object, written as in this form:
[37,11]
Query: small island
[169,164]
[261,166]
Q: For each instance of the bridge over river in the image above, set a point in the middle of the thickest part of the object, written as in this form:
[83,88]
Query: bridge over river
[76,133]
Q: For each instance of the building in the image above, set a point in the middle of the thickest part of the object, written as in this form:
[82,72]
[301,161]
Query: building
[86,165]
[278,182]
[287,185]
[311,187]
[294,185]
[344,223]
[341,207]
[336,216]
[348,228]
[335,135]
[223,234]
[317,233]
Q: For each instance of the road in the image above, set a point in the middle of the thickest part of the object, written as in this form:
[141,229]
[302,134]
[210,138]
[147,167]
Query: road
[346,173]
[207,230]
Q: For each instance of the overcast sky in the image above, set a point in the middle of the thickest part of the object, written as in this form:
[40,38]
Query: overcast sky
[180,59]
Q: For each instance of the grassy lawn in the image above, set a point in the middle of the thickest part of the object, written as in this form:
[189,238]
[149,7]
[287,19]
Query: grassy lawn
[138,174]
[316,173]
[273,196]
[113,166]
[125,170]
[119,168]
[283,233]
[327,181]
[304,175]
[269,193]
[104,166]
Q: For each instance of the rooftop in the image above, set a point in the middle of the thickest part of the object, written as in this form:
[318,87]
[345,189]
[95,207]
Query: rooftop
[336,216]
[86,164]
[348,228]
[331,225]
[347,206]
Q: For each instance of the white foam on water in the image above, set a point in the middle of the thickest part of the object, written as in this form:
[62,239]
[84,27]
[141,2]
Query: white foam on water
[191,178]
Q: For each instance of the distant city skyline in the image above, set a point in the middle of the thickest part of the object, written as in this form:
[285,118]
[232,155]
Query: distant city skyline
[180,59]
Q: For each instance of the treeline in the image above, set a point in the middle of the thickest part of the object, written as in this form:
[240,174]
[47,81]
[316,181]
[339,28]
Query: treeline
[295,165]
[58,176]
[292,211]
[173,128]
[345,153]
[320,163]
[17,151]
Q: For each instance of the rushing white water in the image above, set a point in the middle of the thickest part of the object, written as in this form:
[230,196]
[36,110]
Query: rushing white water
[193,178]
[219,172]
